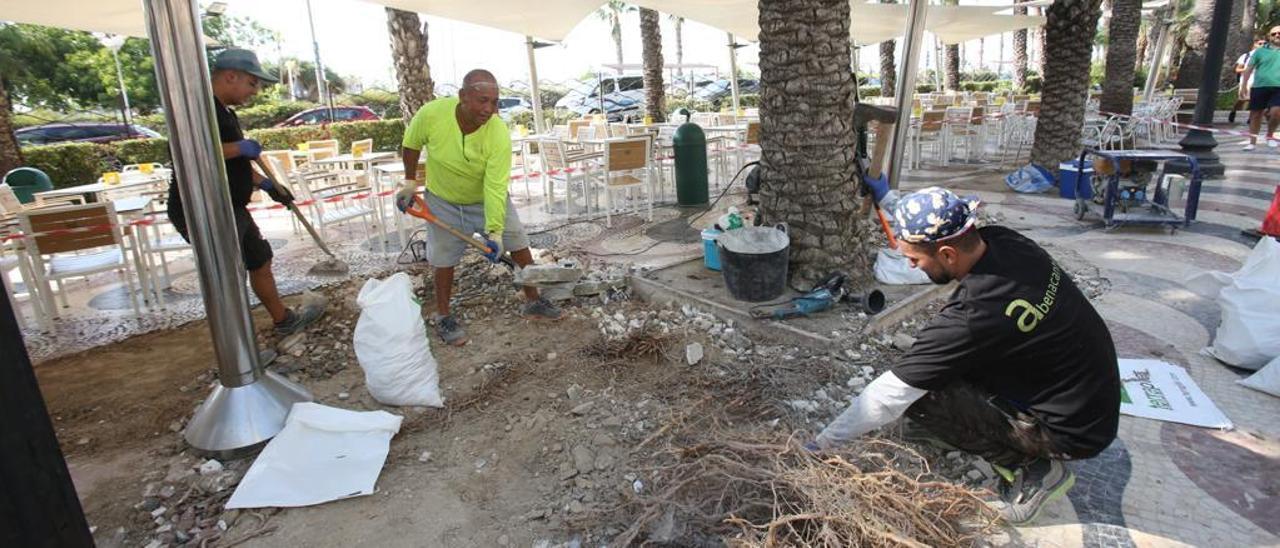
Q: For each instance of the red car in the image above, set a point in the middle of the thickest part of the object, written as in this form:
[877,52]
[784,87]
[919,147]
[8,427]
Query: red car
[320,115]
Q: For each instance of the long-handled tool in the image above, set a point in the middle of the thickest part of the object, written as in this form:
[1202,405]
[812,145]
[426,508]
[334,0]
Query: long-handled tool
[330,267]
[885,117]
[421,211]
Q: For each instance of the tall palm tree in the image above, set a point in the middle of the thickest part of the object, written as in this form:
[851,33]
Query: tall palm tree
[612,13]
[1040,43]
[807,136]
[952,62]
[651,40]
[888,71]
[678,22]
[10,152]
[1122,41]
[1020,53]
[409,51]
[1066,80]
[1194,42]
[1235,46]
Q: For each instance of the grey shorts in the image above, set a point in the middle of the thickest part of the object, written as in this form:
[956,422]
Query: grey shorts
[446,250]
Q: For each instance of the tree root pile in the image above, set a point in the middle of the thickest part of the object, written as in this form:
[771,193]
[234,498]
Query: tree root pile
[642,344]
[770,492]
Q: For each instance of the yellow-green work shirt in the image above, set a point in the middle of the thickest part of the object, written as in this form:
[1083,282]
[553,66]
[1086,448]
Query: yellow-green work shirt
[464,169]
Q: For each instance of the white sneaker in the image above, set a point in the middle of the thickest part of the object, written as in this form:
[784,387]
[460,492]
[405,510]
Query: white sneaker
[1249,147]
[1273,143]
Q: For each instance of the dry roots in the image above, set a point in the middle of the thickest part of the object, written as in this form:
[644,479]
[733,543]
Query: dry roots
[642,344]
[777,494]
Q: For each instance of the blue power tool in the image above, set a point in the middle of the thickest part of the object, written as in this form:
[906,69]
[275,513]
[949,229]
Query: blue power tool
[821,298]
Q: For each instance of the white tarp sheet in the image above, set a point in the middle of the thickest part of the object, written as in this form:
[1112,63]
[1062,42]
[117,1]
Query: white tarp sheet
[1162,391]
[323,454]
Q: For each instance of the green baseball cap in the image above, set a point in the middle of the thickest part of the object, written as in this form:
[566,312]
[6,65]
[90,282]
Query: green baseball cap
[242,60]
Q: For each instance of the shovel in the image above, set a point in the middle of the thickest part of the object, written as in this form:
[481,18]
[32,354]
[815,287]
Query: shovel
[331,267]
[420,210]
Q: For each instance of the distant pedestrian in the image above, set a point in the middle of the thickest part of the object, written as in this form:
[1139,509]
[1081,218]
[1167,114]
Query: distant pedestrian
[1262,85]
[1242,63]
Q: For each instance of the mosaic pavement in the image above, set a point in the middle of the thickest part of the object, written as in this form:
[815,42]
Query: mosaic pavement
[1159,484]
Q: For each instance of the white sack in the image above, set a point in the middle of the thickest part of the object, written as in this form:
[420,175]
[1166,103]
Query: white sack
[893,268]
[391,345]
[1266,380]
[322,454]
[1249,335]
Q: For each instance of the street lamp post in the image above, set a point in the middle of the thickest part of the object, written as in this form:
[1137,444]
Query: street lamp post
[322,87]
[1200,143]
[114,42]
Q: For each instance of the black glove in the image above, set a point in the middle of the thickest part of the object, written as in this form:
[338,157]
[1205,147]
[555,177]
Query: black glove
[278,193]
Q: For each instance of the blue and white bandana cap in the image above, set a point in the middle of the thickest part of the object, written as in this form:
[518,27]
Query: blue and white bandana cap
[933,214]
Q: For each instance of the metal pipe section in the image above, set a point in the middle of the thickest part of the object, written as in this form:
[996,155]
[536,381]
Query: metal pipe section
[533,86]
[322,85]
[906,88]
[247,408]
[1162,36]
[733,71]
[124,93]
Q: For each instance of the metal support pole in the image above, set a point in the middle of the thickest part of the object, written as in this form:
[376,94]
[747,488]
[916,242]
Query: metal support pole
[1162,36]
[906,89]
[249,405]
[1198,142]
[124,93]
[322,86]
[733,71]
[536,98]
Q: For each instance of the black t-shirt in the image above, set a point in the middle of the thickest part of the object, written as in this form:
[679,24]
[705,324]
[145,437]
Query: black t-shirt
[1019,328]
[239,170]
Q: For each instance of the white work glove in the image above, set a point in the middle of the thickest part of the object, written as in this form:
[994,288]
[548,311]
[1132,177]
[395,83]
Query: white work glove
[404,196]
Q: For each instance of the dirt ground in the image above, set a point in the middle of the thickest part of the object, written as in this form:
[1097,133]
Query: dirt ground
[545,439]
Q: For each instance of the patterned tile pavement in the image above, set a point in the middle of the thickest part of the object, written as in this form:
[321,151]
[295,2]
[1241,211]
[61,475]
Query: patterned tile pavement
[1159,484]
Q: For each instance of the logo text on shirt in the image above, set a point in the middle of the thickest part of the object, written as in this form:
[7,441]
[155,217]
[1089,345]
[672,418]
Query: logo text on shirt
[1028,315]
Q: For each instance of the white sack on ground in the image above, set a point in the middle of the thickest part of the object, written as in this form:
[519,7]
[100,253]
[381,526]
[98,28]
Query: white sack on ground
[322,454]
[893,268]
[1266,380]
[391,345]
[1249,335]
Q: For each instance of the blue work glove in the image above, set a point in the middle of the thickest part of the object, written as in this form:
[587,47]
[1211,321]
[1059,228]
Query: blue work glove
[879,186]
[249,149]
[494,242]
[280,194]
[404,196]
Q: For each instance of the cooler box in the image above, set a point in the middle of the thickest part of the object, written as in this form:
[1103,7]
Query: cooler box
[1072,176]
[710,255]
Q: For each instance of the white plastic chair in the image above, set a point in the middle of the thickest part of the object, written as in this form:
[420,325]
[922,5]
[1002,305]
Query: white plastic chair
[56,257]
[628,165]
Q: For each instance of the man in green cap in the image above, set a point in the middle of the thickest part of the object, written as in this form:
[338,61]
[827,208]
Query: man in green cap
[236,78]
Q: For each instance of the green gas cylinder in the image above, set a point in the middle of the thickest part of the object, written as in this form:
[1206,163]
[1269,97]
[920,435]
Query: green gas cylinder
[690,146]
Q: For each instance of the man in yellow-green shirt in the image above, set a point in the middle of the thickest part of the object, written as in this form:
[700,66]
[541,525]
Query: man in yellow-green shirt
[468,169]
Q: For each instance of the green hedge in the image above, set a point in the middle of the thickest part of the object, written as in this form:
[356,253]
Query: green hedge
[386,134]
[70,164]
[142,151]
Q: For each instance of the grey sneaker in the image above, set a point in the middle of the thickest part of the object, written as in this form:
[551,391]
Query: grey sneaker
[541,309]
[450,331]
[1031,487]
[299,319]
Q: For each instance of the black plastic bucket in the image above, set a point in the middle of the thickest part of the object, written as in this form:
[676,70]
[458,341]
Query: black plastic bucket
[754,260]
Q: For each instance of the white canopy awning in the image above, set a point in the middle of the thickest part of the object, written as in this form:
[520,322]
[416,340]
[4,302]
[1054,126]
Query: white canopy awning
[548,20]
[122,17]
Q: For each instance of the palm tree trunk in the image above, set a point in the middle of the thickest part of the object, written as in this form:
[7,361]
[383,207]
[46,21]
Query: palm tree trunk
[10,152]
[807,137]
[616,32]
[952,62]
[1066,80]
[1246,25]
[1122,38]
[1020,53]
[409,52]
[888,71]
[680,46]
[1140,58]
[651,39]
[1040,45]
[1235,46]
[1196,40]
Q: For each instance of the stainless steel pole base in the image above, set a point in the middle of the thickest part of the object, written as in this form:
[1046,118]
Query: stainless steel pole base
[234,422]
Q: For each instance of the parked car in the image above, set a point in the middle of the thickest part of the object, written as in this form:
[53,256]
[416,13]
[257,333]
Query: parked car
[510,106]
[721,89]
[320,115]
[92,132]
[623,98]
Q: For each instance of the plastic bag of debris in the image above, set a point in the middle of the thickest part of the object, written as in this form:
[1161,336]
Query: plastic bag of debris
[893,268]
[1249,335]
[391,345]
